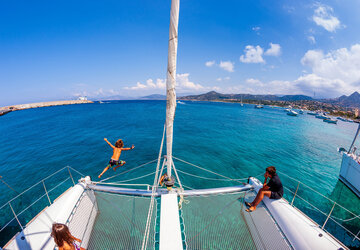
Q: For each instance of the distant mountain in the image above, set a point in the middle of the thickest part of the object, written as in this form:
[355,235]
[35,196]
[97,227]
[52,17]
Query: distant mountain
[212,95]
[295,98]
[352,100]
[113,98]
[154,97]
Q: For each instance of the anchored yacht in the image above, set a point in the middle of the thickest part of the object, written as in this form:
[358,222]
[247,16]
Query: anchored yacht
[350,167]
[121,214]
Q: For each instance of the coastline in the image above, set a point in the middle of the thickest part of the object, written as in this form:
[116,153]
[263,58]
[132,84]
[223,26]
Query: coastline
[7,109]
[354,119]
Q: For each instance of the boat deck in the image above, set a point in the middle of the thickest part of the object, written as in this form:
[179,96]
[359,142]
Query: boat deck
[264,230]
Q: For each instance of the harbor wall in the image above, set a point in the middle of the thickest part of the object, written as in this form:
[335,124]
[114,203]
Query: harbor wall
[43,104]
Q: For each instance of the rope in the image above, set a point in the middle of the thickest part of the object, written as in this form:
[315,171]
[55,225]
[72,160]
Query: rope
[127,171]
[136,178]
[1,179]
[207,170]
[212,179]
[151,207]
[355,216]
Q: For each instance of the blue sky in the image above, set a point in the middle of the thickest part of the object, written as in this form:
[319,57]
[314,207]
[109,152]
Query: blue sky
[52,50]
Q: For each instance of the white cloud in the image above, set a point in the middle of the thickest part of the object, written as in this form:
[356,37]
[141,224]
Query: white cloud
[332,74]
[227,65]
[252,55]
[274,50]
[138,86]
[256,29]
[209,63]
[182,83]
[324,18]
[312,39]
[223,79]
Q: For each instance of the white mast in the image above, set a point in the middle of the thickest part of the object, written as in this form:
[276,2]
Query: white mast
[170,81]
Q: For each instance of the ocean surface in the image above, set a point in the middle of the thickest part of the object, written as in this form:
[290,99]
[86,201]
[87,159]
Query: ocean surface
[225,138]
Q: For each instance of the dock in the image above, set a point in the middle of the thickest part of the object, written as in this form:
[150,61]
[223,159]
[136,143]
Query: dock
[7,109]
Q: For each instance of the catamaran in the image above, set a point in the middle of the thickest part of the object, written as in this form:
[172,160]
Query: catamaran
[350,167]
[124,215]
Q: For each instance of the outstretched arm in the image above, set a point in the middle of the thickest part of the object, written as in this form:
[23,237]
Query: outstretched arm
[108,143]
[128,148]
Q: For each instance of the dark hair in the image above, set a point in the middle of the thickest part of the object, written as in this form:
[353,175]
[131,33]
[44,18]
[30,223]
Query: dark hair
[271,170]
[119,143]
[60,233]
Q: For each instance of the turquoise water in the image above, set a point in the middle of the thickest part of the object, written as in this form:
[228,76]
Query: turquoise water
[227,138]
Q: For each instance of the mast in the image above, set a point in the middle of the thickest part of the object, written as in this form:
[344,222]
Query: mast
[170,81]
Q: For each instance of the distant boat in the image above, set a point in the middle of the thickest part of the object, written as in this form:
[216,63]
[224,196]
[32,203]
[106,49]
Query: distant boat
[321,116]
[301,111]
[330,120]
[259,106]
[287,110]
[292,113]
[311,113]
[179,102]
[241,103]
[101,102]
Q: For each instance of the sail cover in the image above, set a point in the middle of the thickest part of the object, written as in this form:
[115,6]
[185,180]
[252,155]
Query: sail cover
[170,80]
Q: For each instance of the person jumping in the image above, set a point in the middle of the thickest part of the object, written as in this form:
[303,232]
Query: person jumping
[119,146]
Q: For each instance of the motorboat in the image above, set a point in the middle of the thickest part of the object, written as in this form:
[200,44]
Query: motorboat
[330,120]
[321,116]
[292,113]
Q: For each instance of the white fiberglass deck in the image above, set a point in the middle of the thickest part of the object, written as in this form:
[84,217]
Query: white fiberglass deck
[170,232]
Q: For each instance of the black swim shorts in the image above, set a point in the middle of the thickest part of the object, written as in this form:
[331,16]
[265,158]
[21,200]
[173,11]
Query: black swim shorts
[113,162]
[275,195]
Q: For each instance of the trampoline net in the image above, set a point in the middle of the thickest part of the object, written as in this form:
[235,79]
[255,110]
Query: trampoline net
[215,222]
[121,222]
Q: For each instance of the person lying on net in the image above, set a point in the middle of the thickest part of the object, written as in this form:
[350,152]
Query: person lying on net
[273,189]
[114,161]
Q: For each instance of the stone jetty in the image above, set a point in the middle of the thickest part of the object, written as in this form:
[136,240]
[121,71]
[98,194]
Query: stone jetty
[7,109]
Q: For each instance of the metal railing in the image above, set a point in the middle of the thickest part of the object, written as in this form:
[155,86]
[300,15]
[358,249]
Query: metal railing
[328,215]
[12,202]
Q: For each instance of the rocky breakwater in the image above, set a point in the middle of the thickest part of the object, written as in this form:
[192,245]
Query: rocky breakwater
[7,109]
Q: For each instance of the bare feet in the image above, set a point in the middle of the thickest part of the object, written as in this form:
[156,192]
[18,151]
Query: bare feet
[250,209]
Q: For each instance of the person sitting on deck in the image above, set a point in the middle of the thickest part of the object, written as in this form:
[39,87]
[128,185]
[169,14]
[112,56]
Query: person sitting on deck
[116,155]
[63,238]
[273,189]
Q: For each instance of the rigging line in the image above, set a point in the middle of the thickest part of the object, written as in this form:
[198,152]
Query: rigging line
[135,178]
[206,178]
[151,207]
[206,170]
[1,179]
[317,192]
[32,187]
[127,171]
